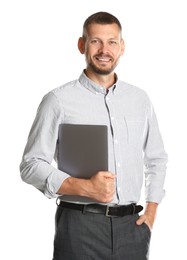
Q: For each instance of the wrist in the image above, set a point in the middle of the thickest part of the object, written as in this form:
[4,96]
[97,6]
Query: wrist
[74,186]
[151,209]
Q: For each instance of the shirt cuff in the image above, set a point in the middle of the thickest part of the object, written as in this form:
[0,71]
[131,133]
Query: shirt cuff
[154,196]
[54,181]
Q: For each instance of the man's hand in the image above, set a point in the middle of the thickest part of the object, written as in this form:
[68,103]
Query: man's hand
[100,187]
[149,216]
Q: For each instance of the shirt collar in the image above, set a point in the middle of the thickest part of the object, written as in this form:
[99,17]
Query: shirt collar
[93,87]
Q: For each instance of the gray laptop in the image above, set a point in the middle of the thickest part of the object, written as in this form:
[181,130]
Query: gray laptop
[83,149]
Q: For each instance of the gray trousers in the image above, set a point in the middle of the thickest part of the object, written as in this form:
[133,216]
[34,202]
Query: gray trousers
[90,236]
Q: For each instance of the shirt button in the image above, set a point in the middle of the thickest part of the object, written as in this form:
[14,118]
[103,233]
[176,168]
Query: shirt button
[112,118]
[119,189]
[116,141]
[118,164]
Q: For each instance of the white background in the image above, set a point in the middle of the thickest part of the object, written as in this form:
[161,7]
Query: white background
[38,52]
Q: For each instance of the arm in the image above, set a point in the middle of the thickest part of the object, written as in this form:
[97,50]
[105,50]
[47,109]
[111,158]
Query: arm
[36,168]
[100,187]
[155,160]
[149,215]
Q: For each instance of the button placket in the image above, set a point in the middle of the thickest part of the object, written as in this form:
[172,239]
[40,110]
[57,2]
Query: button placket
[117,156]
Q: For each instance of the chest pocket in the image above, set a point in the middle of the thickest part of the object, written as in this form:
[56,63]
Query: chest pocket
[136,131]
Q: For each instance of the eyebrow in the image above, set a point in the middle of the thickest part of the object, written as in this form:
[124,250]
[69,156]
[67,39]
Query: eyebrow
[98,38]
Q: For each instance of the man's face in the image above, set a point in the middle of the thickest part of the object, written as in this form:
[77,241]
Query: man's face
[103,47]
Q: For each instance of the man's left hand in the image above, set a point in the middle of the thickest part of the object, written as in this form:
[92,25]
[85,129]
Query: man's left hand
[148,220]
[149,216]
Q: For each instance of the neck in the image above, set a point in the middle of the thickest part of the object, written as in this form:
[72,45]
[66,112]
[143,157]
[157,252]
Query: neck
[104,80]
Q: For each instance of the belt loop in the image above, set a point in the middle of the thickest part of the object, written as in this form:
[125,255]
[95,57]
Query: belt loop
[134,208]
[84,209]
[107,211]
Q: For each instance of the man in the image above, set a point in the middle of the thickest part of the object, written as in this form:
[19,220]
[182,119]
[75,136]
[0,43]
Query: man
[98,218]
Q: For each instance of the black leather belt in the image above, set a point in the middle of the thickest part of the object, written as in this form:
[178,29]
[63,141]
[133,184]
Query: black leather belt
[115,211]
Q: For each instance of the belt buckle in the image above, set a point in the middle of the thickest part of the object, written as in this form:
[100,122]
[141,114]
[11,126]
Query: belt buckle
[107,212]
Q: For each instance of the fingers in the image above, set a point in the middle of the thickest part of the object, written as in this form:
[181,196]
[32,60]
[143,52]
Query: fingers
[109,175]
[145,219]
[109,180]
[141,220]
[110,183]
[104,177]
[103,184]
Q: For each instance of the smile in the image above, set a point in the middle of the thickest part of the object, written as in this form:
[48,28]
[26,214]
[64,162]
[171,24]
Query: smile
[103,59]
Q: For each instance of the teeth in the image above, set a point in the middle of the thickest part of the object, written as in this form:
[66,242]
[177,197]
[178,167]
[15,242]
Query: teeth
[103,59]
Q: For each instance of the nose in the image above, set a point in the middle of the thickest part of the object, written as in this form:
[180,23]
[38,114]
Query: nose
[103,47]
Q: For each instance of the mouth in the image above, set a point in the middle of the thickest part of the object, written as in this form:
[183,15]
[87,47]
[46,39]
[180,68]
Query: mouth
[103,58]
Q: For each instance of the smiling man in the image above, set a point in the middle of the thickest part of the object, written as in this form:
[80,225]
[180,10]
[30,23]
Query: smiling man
[102,46]
[98,217]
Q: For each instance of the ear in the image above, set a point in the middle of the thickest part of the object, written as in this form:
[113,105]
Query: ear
[81,45]
[122,47]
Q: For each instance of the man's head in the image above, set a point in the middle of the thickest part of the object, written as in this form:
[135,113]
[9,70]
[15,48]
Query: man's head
[100,18]
[101,42]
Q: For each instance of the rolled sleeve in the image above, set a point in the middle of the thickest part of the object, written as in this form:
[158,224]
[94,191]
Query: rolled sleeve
[54,181]
[36,168]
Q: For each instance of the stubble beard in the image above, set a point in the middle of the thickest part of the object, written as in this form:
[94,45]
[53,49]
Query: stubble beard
[100,70]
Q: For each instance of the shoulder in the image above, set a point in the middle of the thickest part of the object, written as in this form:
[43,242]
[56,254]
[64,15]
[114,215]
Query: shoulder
[64,89]
[55,95]
[53,99]
[132,91]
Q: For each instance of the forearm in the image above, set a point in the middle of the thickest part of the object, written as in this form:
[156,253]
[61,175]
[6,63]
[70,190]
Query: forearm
[42,175]
[100,187]
[151,209]
[74,186]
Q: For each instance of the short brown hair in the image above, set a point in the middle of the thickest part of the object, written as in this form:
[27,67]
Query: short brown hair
[100,18]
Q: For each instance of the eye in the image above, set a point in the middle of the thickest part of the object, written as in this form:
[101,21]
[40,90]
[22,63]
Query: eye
[112,42]
[94,41]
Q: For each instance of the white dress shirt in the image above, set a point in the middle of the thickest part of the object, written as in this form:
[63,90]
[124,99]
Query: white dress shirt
[135,147]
